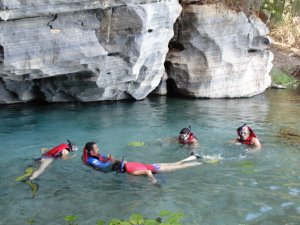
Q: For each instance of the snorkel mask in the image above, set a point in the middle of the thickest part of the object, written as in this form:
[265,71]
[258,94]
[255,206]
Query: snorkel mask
[73,147]
[185,132]
[240,131]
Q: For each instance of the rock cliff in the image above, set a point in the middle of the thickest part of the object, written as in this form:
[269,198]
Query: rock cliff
[219,53]
[69,50]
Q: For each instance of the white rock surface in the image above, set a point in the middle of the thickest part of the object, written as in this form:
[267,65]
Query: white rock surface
[219,53]
[83,50]
[90,50]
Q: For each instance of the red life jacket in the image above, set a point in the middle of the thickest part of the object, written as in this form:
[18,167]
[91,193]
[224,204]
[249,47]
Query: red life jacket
[248,141]
[56,151]
[189,140]
[85,157]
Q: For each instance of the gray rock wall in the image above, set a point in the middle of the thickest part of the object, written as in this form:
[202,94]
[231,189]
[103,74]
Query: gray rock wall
[83,50]
[219,53]
[92,50]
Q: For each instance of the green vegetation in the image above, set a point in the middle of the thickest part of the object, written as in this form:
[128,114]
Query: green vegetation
[166,218]
[285,21]
[281,78]
[71,219]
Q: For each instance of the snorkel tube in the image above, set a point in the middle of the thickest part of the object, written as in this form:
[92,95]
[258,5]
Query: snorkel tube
[122,164]
[72,146]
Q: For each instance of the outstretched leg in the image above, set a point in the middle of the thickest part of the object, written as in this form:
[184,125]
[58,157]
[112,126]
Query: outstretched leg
[44,164]
[167,167]
[190,158]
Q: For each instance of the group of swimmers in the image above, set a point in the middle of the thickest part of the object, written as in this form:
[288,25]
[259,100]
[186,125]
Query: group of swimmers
[107,163]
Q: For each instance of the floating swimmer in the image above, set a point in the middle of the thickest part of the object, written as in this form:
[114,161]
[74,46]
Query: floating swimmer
[140,169]
[60,151]
[248,137]
[93,158]
[186,137]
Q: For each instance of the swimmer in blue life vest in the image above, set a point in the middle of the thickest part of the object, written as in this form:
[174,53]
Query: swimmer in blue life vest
[92,158]
[248,137]
[186,137]
[60,151]
[141,169]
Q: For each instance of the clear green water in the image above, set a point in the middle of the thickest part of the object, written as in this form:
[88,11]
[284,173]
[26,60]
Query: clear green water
[262,188]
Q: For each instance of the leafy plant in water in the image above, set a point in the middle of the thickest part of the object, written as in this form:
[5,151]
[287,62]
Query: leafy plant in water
[166,218]
[100,222]
[70,219]
[31,221]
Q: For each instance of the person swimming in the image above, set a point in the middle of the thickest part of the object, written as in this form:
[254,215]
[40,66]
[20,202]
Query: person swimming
[186,137]
[141,169]
[60,151]
[248,137]
[92,158]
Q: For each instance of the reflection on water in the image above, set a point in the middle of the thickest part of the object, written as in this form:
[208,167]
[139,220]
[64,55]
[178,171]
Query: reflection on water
[242,188]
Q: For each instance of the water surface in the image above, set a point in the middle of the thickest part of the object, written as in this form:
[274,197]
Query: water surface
[261,188]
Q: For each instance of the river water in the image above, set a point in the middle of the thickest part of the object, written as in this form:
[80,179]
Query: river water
[243,188]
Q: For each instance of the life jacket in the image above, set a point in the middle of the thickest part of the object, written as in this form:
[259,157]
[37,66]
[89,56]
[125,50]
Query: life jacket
[248,141]
[189,140]
[85,157]
[130,167]
[56,151]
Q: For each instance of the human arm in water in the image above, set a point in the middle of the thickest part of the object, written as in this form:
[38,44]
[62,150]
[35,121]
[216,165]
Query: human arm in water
[65,153]
[255,144]
[148,173]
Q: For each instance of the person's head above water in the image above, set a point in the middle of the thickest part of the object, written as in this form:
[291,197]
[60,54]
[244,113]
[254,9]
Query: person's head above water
[244,132]
[73,146]
[184,133]
[91,147]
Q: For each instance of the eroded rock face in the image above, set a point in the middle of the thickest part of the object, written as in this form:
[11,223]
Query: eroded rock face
[83,51]
[219,53]
[71,50]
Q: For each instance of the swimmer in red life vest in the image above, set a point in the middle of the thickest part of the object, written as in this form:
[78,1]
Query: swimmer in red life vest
[60,151]
[186,137]
[140,169]
[92,158]
[248,137]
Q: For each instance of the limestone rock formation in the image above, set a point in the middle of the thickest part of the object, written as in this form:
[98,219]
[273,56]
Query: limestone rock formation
[75,50]
[219,53]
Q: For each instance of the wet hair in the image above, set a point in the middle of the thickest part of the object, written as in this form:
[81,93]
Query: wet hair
[241,128]
[89,146]
[185,131]
[116,166]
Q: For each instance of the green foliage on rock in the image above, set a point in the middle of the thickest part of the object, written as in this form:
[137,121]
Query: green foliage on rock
[281,78]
